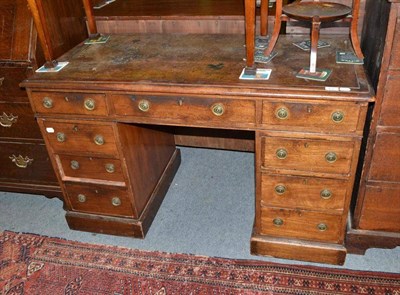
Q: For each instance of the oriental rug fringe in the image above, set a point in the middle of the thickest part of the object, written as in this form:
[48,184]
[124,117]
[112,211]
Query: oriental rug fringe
[34,264]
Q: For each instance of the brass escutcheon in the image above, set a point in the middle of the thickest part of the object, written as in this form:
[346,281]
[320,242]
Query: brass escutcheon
[337,116]
[282,113]
[110,168]
[74,165]
[281,153]
[326,194]
[280,189]
[322,227]
[218,109]
[331,157]
[99,140]
[278,222]
[60,136]
[7,120]
[20,161]
[144,105]
[116,201]
[81,198]
[89,104]
[47,102]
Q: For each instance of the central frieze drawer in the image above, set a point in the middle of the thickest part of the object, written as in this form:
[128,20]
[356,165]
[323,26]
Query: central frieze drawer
[303,192]
[301,224]
[332,118]
[308,155]
[99,199]
[187,109]
[81,138]
[90,168]
[69,103]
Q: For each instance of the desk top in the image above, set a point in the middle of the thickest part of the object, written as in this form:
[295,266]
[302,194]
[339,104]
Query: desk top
[206,64]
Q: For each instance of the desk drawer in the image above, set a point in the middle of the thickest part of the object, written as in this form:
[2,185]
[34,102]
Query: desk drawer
[308,155]
[10,77]
[187,110]
[90,168]
[303,192]
[332,118]
[82,138]
[97,199]
[301,225]
[69,103]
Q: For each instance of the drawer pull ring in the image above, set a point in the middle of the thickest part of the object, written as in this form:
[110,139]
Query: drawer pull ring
[280,189]
[116,201]
[282,113]
[61,137]
[81,198]
[7,120]
[337,116]
[110,168]
[322,227]
[218,109]
[331,157]
[89,104]
[281,153]
[99,140]
[144,105]
[20,161]
[74,165]
[47,102]
[326,194]
[278,222]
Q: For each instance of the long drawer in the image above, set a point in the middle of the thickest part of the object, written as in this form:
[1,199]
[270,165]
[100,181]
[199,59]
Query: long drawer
[10,77]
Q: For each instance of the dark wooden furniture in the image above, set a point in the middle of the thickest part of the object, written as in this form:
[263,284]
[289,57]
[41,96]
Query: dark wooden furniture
[376,218]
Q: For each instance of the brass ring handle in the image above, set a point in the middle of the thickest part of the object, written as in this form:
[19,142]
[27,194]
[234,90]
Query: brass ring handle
[74,165]
[281,153]
[7,120]
[89,104]
[282,113]
[337,116]
[47,102]
[116,201]
[280,189]
[20,161]
[331,157]
[110,168]
[322,227]
[81,198]
[326,194]
[99,140]
[277,222]
[61,137]
[144,105]
[218,109]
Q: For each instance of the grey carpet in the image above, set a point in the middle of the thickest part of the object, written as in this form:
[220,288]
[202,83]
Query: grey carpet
[208,211]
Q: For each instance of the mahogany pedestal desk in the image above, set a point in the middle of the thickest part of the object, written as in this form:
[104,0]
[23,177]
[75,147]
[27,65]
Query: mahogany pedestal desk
[106,120]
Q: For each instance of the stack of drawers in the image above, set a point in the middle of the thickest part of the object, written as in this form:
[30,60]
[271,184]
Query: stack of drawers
[306,161]
[111,173]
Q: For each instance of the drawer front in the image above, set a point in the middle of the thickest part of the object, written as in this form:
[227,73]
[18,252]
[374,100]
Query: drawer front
[69,103]
[10,78]
[340,118]
[196,110]
[26,162]
[81,138]
[381,208]
[96,199]
[301,225]
[385,164]
[17,121]
[303,192]
[90,168]
[309,155]
[390,106]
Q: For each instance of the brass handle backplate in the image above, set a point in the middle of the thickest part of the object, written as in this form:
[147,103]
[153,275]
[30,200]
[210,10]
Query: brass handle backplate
[144,105]
[337,116]
[74,165]
[116,201]
[282,113]
[99,140]
[7,120]
[47,102]
[322,227]
[110,168]
[326,194]
[277,222]
[20,161]
[89,104]
[331,157]
[218,109]
[280,189]
[281,153]
[81,198]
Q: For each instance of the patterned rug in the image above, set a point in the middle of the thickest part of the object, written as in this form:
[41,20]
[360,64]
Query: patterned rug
[33,264]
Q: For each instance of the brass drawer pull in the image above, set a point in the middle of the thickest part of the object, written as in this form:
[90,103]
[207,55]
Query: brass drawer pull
[322,227]
[89,104]
[282,113]
[278,222]
[20,161]
[7,120]
[331,157]
[281,153]
[47,102]
[280,189]
[74,165]
[144,105]
[61,137]
[326,194]
[110,168]
[337,116]
[81,198]
[116,201]
[99,140]
[218,109]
